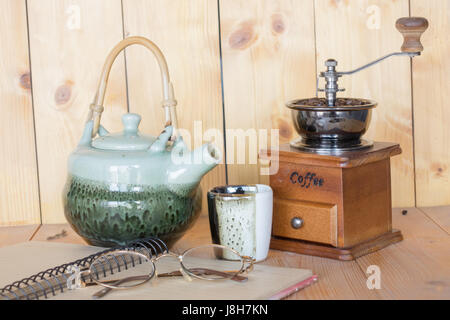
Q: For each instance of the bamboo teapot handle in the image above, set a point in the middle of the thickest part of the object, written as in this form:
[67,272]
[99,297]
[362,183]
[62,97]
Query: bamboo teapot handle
[169,101]
[411,28]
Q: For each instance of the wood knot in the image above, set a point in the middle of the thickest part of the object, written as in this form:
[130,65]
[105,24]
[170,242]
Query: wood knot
[284,128]
[243,37]
[62,94]
[278,25]
[439,169]
[25,81]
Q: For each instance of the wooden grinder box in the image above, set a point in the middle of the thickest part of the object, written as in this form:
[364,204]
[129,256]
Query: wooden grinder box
[334,206]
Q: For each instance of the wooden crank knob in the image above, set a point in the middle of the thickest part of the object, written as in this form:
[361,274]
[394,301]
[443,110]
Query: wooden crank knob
[411,28]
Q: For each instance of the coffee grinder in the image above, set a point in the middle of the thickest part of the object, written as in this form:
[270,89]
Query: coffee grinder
[332,192]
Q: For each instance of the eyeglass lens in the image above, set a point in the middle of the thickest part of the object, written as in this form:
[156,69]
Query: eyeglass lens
[121,269]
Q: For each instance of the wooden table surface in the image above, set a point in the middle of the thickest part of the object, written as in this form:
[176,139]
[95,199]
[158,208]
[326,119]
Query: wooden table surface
[416,268]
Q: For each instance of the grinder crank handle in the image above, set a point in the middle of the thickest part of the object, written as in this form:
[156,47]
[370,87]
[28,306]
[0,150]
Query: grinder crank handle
[411,28]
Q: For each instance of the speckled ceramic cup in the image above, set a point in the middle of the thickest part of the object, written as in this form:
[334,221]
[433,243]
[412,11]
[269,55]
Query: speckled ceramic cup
[240,217]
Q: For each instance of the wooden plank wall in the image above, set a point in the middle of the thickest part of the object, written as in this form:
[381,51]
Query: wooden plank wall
[266,46]
[233,63]
[19,191]
[431,85]
[194,67]
[367,31]
[68,45]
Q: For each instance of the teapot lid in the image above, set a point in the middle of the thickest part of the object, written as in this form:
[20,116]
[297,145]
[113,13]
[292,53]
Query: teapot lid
[128,140]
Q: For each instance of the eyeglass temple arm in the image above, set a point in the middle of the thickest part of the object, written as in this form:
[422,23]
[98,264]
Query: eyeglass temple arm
[204,271]
[250,262]
[106,290]
[176,273]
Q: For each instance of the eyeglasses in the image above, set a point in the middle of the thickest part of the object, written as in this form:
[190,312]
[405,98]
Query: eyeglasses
[124,269]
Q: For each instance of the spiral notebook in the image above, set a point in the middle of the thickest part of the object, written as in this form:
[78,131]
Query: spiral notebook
[39,259]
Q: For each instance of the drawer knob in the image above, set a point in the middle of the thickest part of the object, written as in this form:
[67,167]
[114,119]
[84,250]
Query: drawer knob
[297,223]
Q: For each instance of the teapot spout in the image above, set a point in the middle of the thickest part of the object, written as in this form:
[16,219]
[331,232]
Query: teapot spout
[190,167]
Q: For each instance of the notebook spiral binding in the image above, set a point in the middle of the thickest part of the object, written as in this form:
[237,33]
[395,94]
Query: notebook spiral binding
[54,280]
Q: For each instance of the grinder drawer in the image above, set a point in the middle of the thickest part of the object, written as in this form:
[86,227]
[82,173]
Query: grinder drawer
[303,220]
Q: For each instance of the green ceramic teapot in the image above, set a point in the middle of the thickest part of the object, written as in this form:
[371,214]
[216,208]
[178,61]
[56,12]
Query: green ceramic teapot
[128,185]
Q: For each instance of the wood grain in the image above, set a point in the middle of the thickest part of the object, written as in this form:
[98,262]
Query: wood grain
[17,234]
[268,54]
[19,194]
[415,268]
[431,86]
[54,232]
[440,215]
[268,58]
[319,221]
[337,279]
[69,44]
[342,254]
[187,32]
[359,185]
[418,266]
[355,33]
[290,183]
[367,203]
[411,28]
